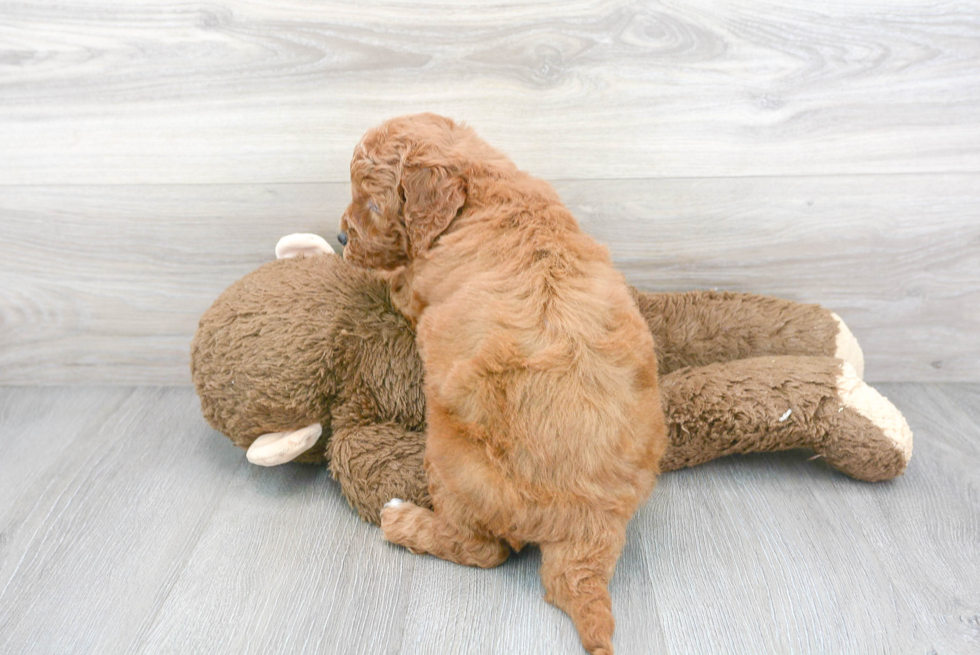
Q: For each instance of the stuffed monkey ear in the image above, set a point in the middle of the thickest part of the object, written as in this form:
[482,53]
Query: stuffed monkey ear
[280,447]
[431,198]
[293,245]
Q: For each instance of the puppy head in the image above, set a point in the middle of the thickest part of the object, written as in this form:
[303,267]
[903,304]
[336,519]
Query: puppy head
[407,186]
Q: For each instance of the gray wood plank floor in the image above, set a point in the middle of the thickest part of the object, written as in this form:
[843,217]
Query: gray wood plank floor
[129,526]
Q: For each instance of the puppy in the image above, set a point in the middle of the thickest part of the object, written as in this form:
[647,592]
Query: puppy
[544,417]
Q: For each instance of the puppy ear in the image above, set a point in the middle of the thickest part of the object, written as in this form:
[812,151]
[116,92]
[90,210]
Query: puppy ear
[431,197]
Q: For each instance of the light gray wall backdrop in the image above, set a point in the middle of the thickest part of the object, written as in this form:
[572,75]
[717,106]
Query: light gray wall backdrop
[151,153]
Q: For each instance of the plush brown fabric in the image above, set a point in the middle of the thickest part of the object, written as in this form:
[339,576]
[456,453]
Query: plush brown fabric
[738,407]
[707,327]
[314,340]
[302,341]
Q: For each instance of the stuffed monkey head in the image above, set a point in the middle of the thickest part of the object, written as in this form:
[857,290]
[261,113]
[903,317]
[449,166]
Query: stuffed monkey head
[305,341]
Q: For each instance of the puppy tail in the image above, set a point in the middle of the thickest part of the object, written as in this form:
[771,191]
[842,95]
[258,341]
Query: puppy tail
[576,577]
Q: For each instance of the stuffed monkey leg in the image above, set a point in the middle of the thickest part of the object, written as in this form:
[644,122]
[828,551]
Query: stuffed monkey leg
[377,462]
[778,403]
[705,327]
[761,404]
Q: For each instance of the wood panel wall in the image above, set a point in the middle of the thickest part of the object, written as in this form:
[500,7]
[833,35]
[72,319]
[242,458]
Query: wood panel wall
[151,153]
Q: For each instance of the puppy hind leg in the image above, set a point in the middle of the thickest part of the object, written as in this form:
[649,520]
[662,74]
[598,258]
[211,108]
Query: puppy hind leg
[423,531]
[576,577]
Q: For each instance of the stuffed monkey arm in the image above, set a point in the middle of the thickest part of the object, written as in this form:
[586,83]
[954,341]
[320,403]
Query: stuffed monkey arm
[377,462]
[778,403]
[705,327]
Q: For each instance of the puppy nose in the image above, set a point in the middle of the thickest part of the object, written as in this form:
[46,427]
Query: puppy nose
[342,238]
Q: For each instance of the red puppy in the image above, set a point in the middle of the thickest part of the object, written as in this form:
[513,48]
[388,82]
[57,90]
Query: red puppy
[544,419]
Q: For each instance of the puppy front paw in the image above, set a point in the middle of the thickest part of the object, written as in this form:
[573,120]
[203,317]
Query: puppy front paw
[400,521]
[390,514]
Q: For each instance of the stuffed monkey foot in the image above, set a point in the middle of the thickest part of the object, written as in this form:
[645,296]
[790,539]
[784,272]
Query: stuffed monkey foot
[874,452]
[778,403]
[847,347]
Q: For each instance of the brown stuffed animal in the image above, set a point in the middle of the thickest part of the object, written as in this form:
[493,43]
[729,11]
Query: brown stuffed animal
[306,360]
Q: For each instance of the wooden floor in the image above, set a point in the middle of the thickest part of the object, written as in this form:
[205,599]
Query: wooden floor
[129,526]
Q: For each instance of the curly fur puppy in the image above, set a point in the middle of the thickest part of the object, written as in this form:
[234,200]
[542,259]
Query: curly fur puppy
[544,418]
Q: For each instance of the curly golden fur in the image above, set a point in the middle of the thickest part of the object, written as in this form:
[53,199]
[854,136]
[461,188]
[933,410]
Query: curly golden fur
[544,417]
